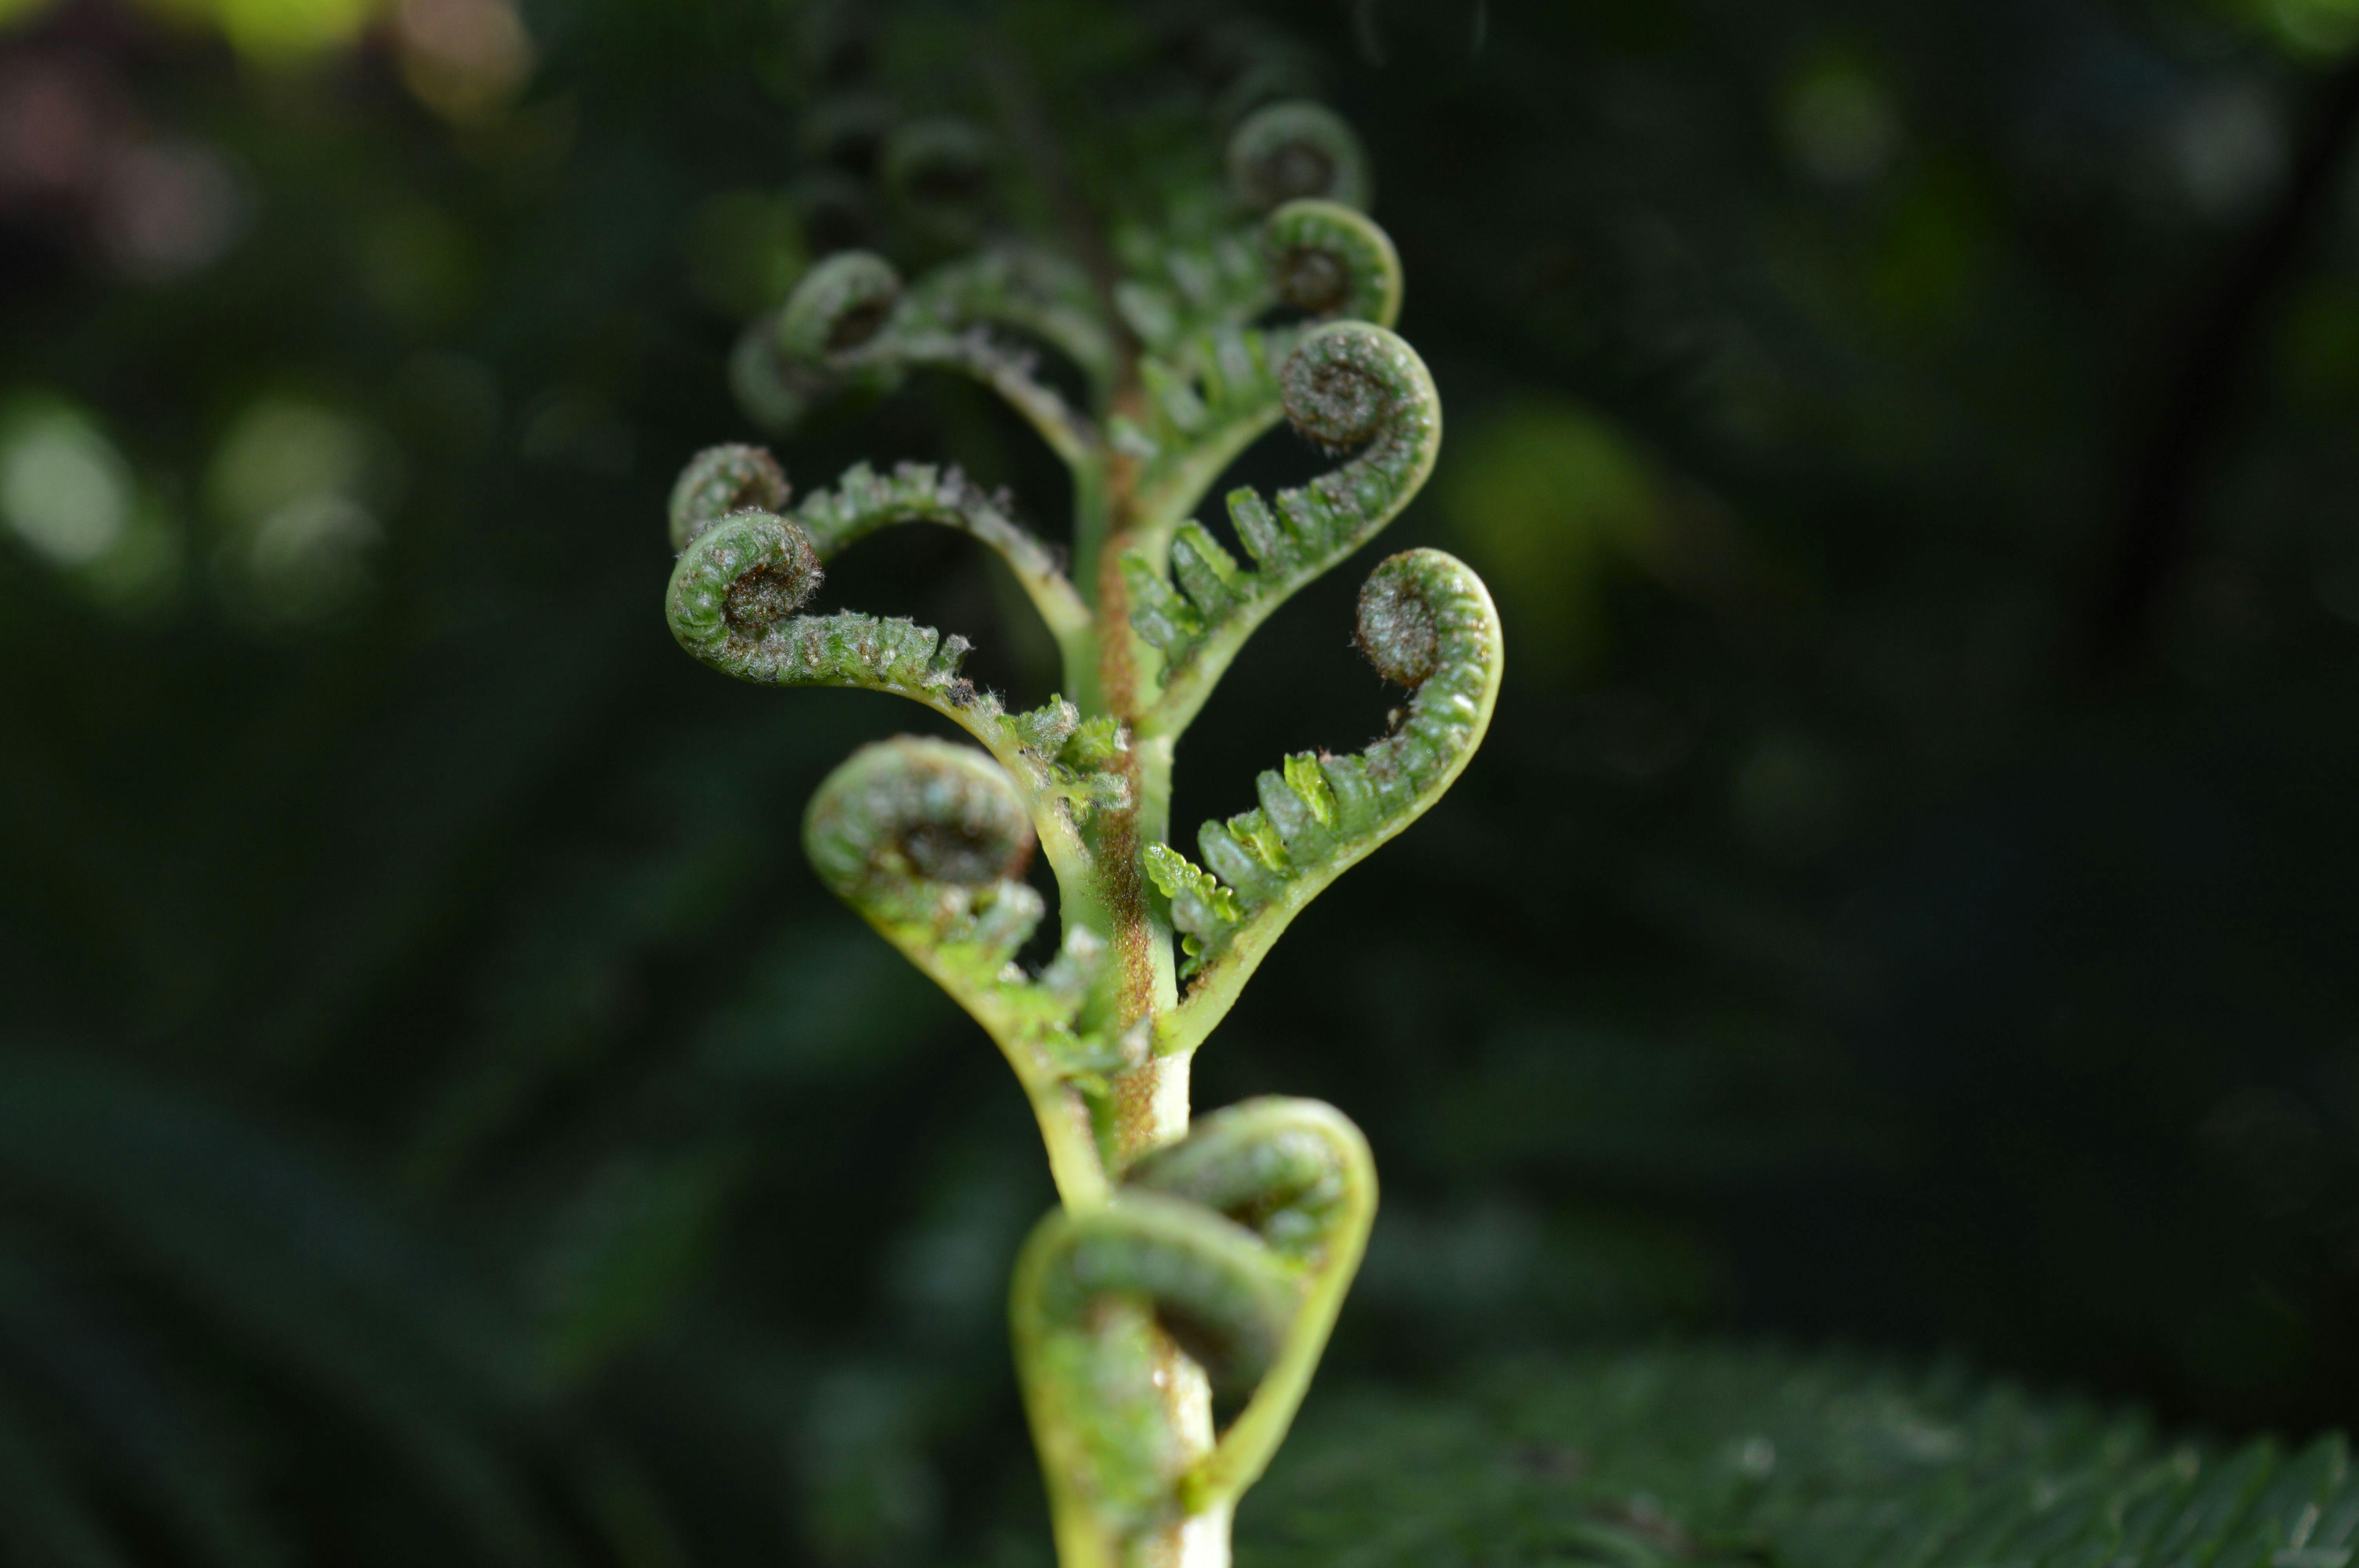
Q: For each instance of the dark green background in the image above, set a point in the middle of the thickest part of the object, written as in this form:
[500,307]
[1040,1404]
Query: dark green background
[1906,900]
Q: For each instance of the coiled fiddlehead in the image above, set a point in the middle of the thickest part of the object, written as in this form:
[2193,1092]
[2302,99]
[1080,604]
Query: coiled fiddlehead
[1239,1241]
[842,305]
[850,322]
[1285,152]
[736,602]
[1425,621]
[1348,385]
[1328,261]
[1184,1259]
[929,842]
[722,479]
[1214,385]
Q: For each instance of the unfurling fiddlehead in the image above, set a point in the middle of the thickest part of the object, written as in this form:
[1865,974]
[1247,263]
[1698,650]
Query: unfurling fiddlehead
[1214,389]
[1239,1242]
[929,842]
[1426,623]
[1287,151]
[1328,261]
[851,323]
[1348,385]
[722,479]
[1184,1262]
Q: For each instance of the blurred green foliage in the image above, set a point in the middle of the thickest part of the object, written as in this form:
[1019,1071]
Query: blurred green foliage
[440,1116]
[1716,1455]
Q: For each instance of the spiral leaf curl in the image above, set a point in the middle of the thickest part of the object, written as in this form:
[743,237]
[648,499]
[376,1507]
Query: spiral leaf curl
[730,480]
[1328,259]
[1240,1240]
[1350,383]
[721,479]
[1214,385]
[1285,152]
[863,501]
[842,304]
[1317,256]
[775,393]
[735,602]
[927,841]
[852,322]
[1425,620]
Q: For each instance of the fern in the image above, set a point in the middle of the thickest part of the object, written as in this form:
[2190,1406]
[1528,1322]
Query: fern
[1187,1259]
[1733,1457]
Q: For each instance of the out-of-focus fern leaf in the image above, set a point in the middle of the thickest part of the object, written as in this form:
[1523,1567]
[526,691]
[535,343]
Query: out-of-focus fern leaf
[270,1248]
[1728,1457]
[623,1252]
[141,1426]
[43,1524]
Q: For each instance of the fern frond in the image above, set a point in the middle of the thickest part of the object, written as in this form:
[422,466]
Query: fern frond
[1286,152]
[1224,1250]
[1328,259]
[1298,1176]
[719,480]
[1213,383]
[1349,385]
[1241,1239]
[929,842]
[851,323]
[733,602]
[1730,1456]
[1425,621]
[863,501]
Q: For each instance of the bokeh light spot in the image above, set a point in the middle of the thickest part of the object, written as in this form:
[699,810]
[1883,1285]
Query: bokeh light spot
[292,483]
[1841,122]
[464,58]
[2320,27]
[1543,497]
[64,490]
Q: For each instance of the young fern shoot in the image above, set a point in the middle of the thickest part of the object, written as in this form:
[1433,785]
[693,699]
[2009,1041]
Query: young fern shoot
[1186,1259]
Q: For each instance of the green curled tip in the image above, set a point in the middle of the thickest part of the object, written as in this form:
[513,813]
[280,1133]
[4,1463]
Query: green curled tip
[1351,384]
[735,602]
[1298,1176]
[1398,630]
[1285,152]
[1333,262]
[929,842]
[1210,1282]
[1092,1289]
[738,582]
[1425,621]
[1239,1242]
[841,304]
[719,480]
[917,832]
[1348,385]
[1293,1171]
